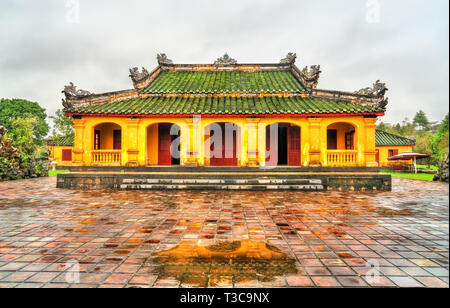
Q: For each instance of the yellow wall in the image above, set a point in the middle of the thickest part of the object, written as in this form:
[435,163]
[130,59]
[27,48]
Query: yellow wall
[139,138]
[384,154]
[56,154]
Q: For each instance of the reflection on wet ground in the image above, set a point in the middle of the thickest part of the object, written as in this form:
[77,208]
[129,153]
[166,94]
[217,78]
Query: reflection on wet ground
[223,263]
[223,239]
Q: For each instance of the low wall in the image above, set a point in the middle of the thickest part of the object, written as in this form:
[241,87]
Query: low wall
[331,181]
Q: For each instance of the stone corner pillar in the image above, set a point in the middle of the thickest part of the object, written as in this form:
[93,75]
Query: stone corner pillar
[131,142]
[314,140]
[79,144]
[369,142]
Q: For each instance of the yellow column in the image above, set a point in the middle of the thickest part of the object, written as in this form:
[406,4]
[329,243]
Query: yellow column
[251,136]
[315,142]
[78,151]
[262,144]
[191,150]
[130,142]
[369,144]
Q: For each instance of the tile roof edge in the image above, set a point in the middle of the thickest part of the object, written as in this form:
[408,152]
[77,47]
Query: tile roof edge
[413,142]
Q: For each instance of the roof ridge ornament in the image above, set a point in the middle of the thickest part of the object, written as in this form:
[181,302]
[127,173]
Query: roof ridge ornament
[137,76]
[163,60]
[289,59]
[311,75]
[71,91]
[225,60]
[378,89]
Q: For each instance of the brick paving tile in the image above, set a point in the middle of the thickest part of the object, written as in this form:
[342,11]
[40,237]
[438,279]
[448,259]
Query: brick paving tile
[140,239]
[18,276]
[326,281]
[341,271]
[415,271]
[143,279]
[351,281]
[432,282]
[299,281]
[118,278]
[406,282]
[380,282]
[13,266]
[438,271]
[42,277]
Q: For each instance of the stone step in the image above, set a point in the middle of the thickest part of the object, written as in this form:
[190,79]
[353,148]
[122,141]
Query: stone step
[216,181]
[221,187]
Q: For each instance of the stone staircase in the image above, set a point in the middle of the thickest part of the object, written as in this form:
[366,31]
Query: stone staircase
[216,182]
[224,178]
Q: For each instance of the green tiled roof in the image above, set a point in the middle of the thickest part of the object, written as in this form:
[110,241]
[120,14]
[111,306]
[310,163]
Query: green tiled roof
[386,139]
[224,82]
[225,105]
[61,141]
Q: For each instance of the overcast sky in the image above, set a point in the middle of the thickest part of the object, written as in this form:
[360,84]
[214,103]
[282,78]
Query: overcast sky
[47,43]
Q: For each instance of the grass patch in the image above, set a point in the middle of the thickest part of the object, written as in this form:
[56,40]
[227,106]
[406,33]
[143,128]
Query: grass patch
[419,176]
[56,172]
[434,168]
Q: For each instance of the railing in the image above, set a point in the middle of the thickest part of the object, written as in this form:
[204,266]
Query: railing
[342,158]
[107,157]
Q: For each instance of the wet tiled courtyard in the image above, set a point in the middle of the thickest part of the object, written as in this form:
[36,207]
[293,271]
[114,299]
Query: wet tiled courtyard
[223,239]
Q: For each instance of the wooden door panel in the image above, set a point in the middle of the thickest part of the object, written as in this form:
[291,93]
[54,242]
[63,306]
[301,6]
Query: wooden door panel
[117,139]
[164,142]
[332,139]
[294,152]
[66,155]
[229,154]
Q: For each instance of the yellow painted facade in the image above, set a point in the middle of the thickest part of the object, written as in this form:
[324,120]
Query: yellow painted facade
[384,154]
[139,140]
[56,154]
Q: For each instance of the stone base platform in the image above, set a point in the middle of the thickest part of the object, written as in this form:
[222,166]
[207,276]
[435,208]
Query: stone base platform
[225,179]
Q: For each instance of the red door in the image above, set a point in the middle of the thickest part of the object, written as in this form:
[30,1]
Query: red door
[294,153]
[228,155]
[67,155]
[164,142]
[377,156]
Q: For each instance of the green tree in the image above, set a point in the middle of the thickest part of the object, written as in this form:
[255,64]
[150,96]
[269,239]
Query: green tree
[386,127]
[12,109]
[23,138]
[423,145]
[440,142]
[62,126]
[421,121]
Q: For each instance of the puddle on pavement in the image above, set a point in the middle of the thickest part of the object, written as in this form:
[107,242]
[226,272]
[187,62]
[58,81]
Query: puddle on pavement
[236,261]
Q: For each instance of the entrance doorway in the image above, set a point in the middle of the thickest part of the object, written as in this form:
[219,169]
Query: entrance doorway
[221,144]
[284,149]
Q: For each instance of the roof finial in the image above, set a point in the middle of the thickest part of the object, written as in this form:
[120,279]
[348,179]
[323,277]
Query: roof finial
[378,89]
[225,60]
[163,60]
[290,58]
[137,76]
[71,91]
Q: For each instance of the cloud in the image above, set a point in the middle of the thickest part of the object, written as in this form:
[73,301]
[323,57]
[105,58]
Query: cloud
[40,51]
